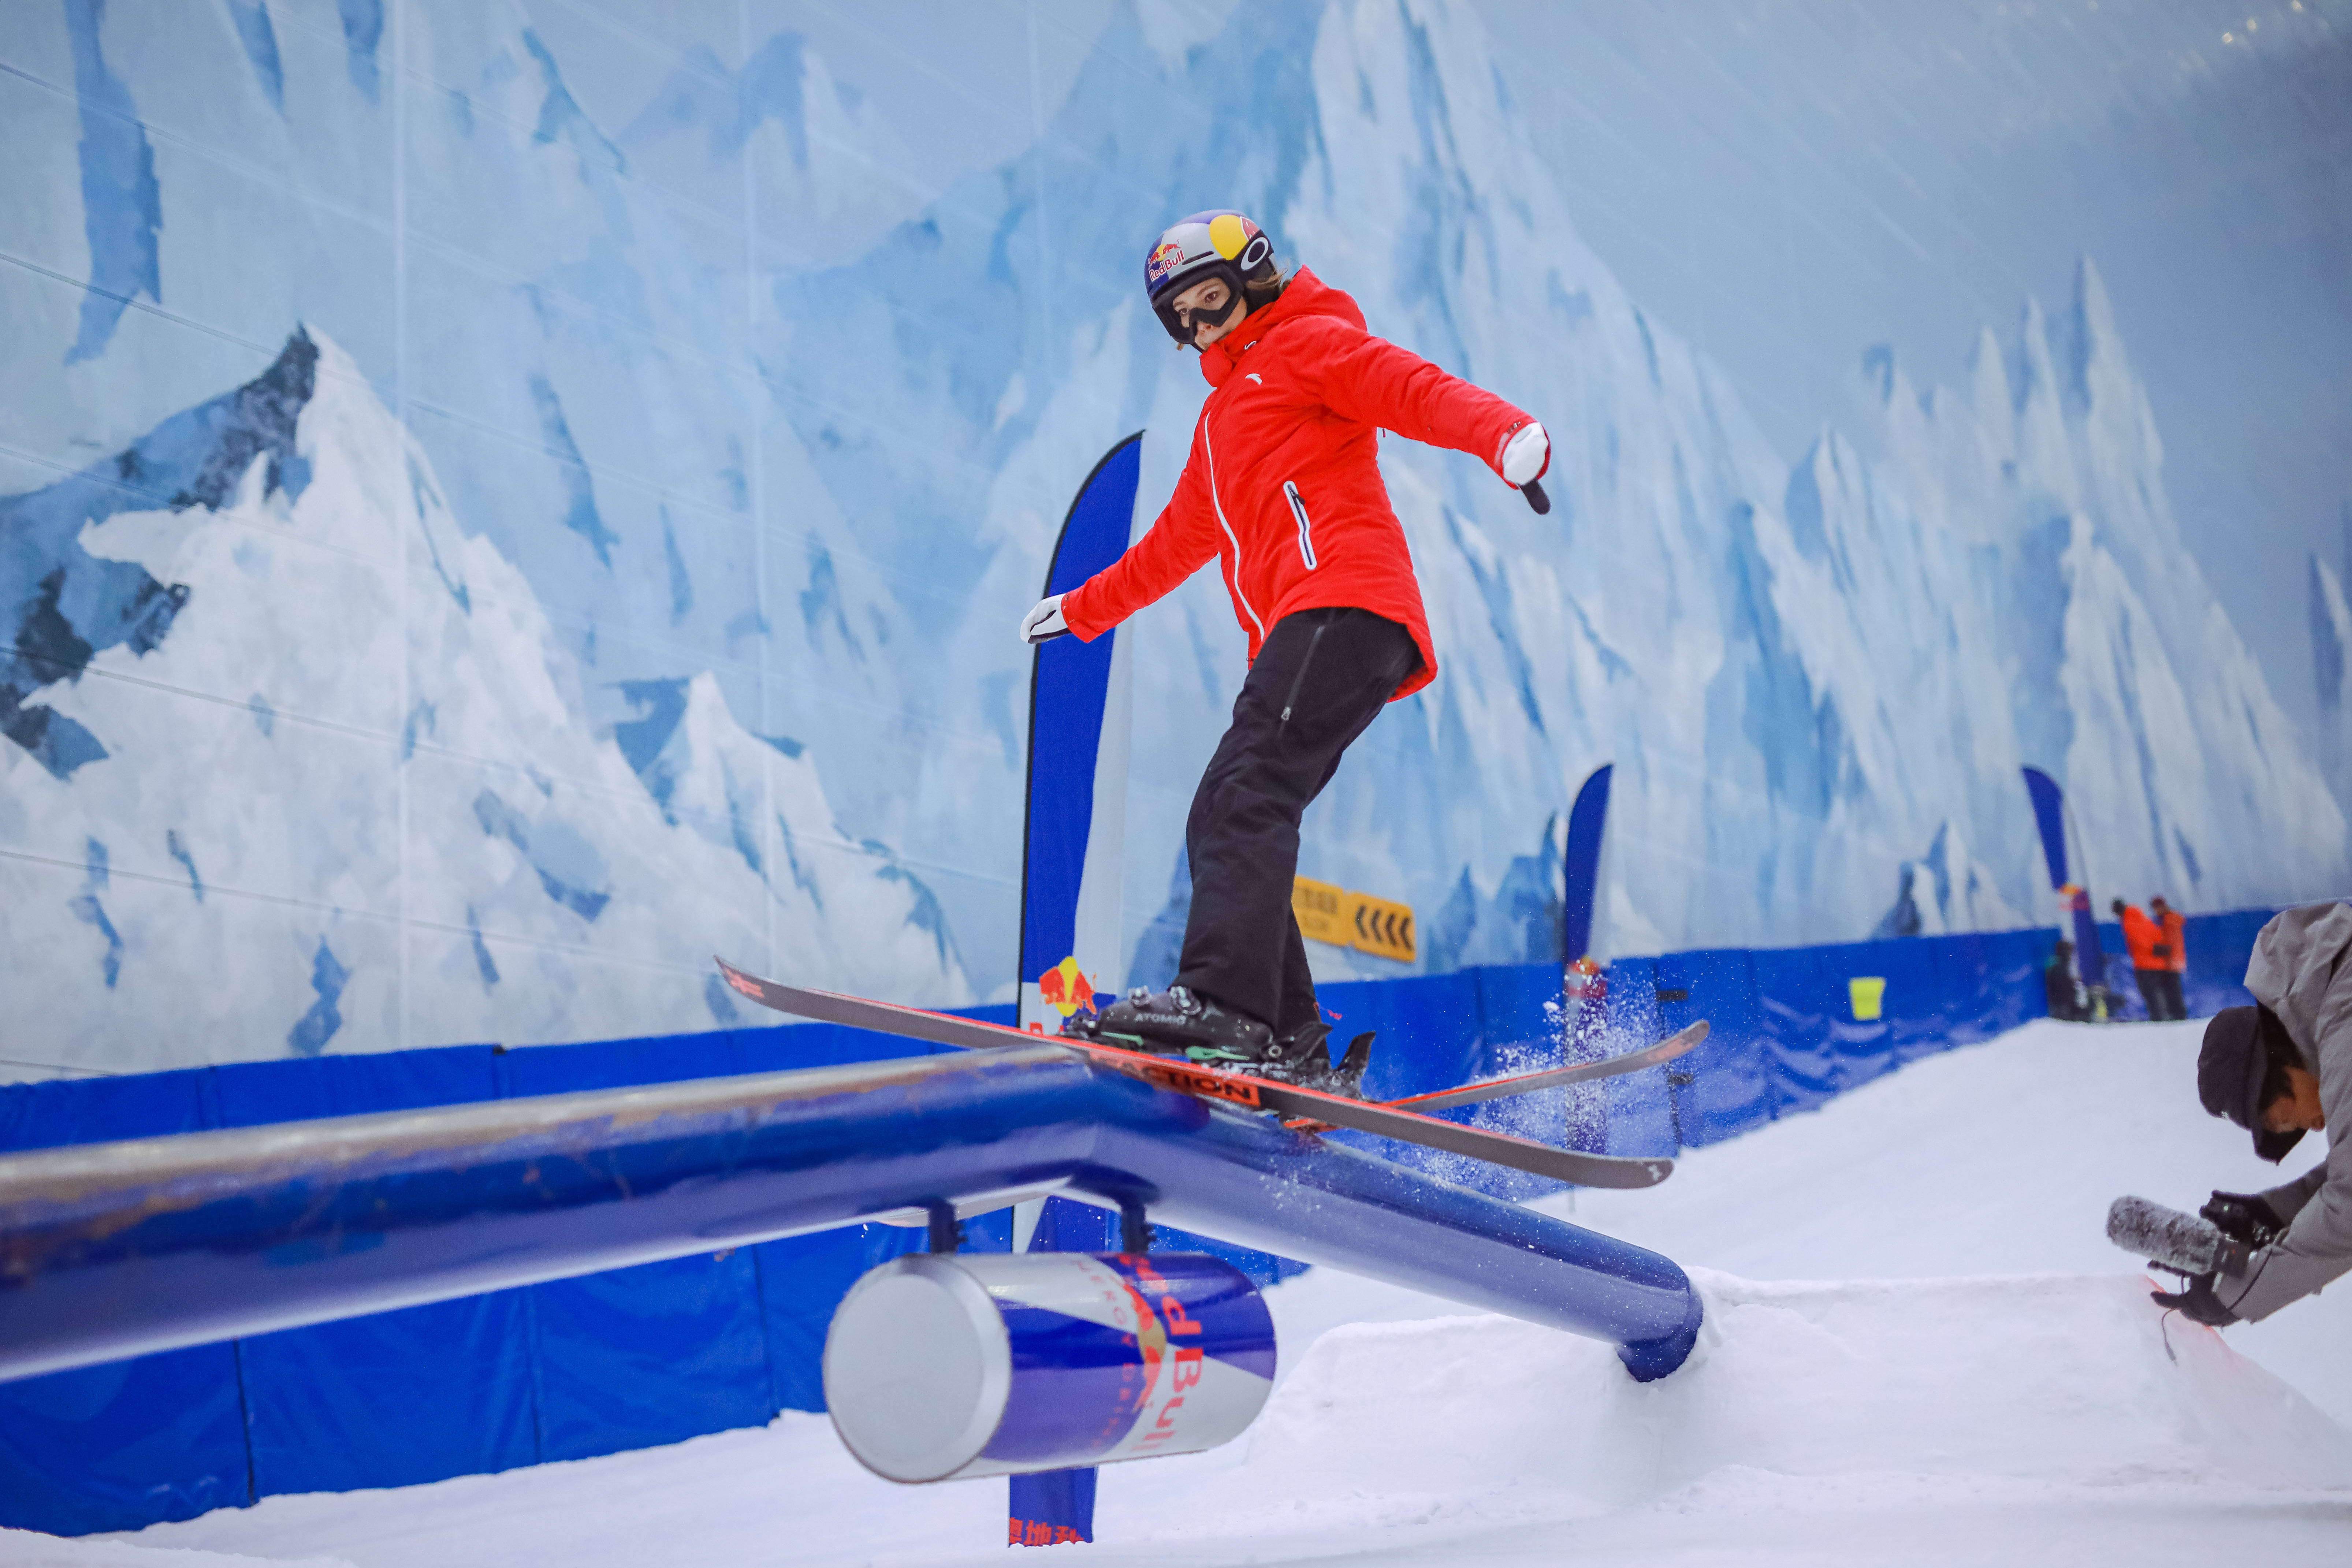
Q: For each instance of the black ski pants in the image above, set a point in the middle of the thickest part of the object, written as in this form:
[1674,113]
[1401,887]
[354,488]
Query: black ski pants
[1321,677]
[2160,989]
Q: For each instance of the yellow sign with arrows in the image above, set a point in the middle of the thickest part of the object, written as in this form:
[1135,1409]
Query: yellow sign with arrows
[1333,914]
[1322,911]
[1383,929]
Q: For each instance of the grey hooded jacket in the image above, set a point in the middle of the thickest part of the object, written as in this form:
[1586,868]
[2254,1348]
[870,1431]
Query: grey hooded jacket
[2302,971]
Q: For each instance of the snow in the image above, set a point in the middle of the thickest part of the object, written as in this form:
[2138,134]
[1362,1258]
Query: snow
[23,1549]
[1927,1353]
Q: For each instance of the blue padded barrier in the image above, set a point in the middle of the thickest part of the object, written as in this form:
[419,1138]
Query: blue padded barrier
[801,1279]
[1725,1087]
[1434,1032]
[448,1389]
[1519,1028]
[1428,1028]
[126,1444]
[399,1397]
[783,1047]
[2219,948]
[651,1354]
[608,1374]
[1637,1108]
[1518,1008]
[156,1437]
[662,1352]
[103,1109]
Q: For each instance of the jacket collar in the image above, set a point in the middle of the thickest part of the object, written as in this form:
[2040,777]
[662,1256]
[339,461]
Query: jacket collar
[1307,295]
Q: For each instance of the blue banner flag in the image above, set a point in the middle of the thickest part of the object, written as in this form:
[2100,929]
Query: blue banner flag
[1070,847]
[2050,816]
[1580,863]
[1077,769]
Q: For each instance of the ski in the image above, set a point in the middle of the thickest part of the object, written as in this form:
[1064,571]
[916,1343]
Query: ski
[1239,1090]
[1678,1044]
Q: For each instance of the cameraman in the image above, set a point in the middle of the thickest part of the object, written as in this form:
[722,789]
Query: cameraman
[2280,1070]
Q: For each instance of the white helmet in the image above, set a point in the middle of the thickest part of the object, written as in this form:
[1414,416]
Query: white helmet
[1215,244]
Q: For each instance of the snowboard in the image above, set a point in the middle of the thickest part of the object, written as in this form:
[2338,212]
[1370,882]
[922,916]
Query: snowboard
[1234,1088]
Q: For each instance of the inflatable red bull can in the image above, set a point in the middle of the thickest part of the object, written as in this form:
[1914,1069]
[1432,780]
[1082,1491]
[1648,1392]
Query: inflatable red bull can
[940,1366]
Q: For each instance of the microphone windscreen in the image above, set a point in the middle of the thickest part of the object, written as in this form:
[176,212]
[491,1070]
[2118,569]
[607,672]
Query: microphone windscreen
[2176,1240]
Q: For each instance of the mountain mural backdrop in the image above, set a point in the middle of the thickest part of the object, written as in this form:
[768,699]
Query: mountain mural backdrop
[498,508]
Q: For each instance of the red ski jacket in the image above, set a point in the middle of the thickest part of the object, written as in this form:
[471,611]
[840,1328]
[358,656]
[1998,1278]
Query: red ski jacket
[1283,486]
[2141,936]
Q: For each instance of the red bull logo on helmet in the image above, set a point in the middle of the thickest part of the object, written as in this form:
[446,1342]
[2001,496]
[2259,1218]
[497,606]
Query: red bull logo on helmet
[1065,986]
[1162,261]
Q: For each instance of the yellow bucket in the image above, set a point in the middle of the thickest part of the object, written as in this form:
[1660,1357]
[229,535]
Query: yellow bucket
[1868,992]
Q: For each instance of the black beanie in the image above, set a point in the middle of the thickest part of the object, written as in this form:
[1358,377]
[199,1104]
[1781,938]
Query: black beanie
[2230,1069]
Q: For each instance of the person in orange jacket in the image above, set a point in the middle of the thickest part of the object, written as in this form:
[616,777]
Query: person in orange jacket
[2144,940]
[2172,952]
[1282,490]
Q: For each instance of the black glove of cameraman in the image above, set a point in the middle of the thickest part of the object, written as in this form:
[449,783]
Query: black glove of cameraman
[2196,1301]
[2242,1216]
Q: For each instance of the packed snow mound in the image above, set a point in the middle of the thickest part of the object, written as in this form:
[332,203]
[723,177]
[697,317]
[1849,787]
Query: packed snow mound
[2075,1380]
[25,1549]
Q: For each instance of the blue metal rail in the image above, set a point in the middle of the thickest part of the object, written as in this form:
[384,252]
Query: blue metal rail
[119,1250]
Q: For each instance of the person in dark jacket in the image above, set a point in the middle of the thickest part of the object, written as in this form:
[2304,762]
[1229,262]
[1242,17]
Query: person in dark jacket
[2067,1002]
[2279,1070]
[2144,940]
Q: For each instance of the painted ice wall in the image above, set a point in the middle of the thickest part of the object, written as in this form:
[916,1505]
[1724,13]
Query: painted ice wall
[500,503]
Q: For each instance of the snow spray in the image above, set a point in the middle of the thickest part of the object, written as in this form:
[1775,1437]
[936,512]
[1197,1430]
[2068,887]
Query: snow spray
[2170,1239]
[939,1367]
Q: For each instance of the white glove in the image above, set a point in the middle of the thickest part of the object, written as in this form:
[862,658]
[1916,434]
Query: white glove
[1044,623]
[1527,455]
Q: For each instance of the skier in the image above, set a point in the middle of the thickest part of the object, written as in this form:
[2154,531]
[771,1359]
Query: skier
[2282,1068]
[1283,488]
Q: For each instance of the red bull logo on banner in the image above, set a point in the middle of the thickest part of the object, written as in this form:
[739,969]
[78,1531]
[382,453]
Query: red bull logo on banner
[1067,988]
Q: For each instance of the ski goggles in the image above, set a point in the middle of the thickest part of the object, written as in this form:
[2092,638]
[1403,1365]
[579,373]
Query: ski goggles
[1182,323]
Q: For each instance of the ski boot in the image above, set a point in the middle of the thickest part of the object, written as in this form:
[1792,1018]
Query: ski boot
[1179,1020]
[1303,1057]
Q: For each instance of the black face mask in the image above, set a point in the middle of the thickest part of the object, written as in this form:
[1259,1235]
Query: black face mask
[1205,318]
[1183,333]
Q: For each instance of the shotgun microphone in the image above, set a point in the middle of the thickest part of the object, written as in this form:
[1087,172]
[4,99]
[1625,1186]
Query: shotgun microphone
[2168,1239]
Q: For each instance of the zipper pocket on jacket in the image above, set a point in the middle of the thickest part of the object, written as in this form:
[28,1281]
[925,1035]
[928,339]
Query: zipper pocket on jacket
[1305,534]
[1305,659]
